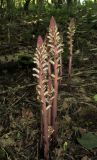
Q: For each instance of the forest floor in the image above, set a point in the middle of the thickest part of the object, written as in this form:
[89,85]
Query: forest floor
[19,109]
[20,114]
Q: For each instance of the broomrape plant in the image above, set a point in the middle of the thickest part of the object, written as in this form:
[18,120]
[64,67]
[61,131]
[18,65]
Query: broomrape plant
[55,49]
[40,59]
[48,71]
[70,35]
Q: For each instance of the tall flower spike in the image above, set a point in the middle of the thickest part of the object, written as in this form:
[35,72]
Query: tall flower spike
[40,59]
[55,49]
[70,34]
[55,39]
[50,86]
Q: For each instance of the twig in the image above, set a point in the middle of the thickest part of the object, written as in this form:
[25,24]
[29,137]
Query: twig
[18,100]
[17,88]
[84,72]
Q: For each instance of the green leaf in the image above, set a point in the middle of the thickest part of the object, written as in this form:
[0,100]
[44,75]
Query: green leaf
[2,154]
[88,140]
[19,136]
[95,97]
[65,146]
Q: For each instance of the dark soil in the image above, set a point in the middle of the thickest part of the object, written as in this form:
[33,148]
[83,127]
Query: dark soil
[20,114]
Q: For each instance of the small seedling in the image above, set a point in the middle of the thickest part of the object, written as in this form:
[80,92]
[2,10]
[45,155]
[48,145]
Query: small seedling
[95,97]
[65,145]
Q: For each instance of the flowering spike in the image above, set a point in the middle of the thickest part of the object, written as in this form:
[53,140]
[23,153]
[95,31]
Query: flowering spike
[48,70]
[55,50]
[70,34]
[52,23]
[40,59]
[39,42]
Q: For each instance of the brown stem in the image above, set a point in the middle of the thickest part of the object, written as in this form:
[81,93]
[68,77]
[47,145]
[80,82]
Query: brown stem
[70,60]
[44,117]
[54,108]
[45,133]
[61,67]
[45,125]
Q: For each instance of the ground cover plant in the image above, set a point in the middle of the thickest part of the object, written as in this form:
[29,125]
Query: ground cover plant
[20,109]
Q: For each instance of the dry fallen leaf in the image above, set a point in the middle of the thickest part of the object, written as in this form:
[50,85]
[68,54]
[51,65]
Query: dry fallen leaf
[67,118]
[85,158]
[65,105]
[82,130]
